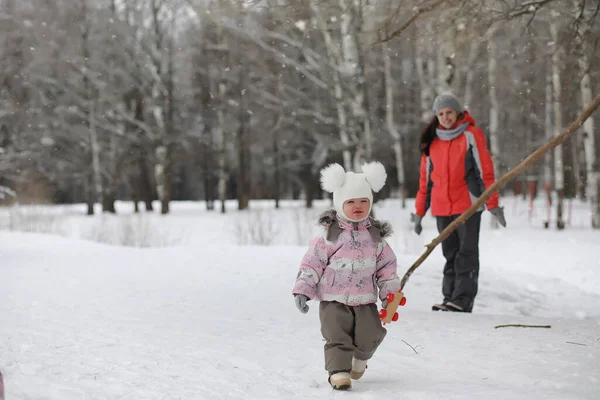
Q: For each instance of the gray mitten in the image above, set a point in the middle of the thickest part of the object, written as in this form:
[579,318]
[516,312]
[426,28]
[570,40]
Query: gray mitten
[384,304]
[301,300]
[418,227]
[498,213]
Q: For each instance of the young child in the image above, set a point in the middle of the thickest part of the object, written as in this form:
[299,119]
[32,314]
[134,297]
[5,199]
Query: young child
[345,268]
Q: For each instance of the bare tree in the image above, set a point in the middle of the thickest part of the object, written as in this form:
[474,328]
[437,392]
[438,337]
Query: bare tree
[559,179]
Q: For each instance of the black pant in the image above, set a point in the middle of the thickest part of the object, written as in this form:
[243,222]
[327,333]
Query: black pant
[461,250]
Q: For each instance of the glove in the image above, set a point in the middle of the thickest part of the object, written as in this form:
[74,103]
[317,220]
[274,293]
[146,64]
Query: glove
[384,304]
[418,227]
[301,300]
[498,213]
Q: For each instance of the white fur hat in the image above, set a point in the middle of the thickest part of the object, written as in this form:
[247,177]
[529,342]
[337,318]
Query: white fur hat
[350,185]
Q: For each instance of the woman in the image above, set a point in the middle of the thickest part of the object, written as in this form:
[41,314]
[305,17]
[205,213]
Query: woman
[456,168]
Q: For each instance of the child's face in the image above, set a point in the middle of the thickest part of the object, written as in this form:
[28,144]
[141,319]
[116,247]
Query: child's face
[357,209]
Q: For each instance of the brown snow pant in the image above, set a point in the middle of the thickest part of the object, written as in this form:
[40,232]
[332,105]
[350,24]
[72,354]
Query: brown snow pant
[349,331]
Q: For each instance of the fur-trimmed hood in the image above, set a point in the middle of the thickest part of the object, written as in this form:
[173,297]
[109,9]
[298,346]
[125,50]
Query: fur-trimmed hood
[378,229]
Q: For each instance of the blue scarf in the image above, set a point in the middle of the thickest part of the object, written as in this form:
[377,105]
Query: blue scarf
[451,134]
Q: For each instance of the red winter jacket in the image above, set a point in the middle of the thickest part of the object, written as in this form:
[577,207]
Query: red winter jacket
[456,173]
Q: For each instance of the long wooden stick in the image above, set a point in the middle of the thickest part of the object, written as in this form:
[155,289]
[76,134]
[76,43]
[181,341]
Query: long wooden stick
[533,157]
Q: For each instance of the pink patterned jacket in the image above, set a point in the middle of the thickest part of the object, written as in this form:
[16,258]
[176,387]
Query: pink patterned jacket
[349,263]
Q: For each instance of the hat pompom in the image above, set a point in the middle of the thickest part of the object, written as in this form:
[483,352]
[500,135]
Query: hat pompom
[375,175]
[332,177]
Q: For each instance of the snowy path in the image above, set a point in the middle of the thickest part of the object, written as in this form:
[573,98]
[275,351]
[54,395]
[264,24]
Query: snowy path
[87,321]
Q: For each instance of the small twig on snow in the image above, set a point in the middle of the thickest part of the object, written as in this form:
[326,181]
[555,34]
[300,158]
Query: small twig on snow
[578,344]
[411,347]
[523,326]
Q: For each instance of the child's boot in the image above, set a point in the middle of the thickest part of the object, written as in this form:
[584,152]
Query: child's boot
[358,368]
[340,381]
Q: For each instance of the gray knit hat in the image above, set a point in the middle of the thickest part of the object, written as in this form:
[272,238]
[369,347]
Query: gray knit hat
[447,100]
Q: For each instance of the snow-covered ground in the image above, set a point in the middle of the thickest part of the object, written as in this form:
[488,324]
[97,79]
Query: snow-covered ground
[196,314]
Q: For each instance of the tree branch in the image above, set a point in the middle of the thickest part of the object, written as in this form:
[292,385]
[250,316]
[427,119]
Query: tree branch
[522,326]
[529,7]
[533,157]
[416,14]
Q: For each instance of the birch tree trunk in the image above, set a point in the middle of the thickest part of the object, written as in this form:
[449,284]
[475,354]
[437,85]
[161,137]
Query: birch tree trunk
[335,59]
[277,167]
[392,128]
[446,69]
[354,78]
[470,72]
[549,129]
[157,101]
[169,132]
[162,100]
[426,72]
[592,168]
[559,178]
[95,149]
[112,170]
[95,189]
[494,103]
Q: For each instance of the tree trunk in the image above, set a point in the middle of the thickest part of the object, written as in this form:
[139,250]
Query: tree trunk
[494,104]
[391,125]
[168,185]
[549,130]
[108,201]
[136,201]
[145,184]
[169,128]
[222,143]
[559,177]
[309,184]
[592,167]
[446,69]
[160,173]
[354,78]
[426,72]
[470,72]
[209,196]
[95,149]
[277,167]
[335,58]
[95,190]
[89,189]
[243,151]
